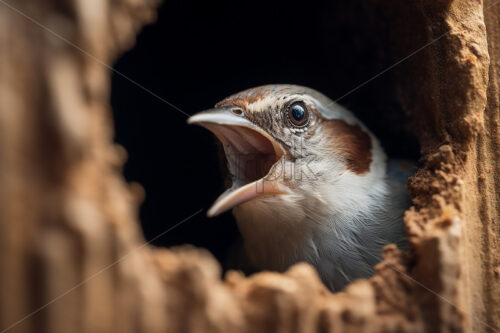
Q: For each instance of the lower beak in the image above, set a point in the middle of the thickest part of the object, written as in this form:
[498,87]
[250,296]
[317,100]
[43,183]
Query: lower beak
[251,154]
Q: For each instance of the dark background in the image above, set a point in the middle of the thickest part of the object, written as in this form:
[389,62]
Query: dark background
[199,52]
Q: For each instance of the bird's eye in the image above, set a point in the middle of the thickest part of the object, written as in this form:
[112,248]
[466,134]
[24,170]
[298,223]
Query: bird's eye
[298,114]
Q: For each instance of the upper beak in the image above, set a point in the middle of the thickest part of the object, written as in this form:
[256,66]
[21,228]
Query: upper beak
[251,153]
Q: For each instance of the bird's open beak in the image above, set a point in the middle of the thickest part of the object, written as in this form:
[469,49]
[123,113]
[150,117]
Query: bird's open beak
[251,154]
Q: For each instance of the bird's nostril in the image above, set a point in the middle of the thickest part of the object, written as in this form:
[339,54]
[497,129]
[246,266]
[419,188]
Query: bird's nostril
[237,112]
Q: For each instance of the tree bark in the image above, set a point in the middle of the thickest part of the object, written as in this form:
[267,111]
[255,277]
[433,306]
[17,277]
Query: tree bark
[72,256]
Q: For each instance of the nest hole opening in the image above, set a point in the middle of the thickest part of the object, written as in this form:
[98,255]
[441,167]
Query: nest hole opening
[194,56]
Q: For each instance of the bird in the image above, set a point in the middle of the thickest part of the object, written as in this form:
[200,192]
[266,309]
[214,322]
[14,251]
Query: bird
[309,183]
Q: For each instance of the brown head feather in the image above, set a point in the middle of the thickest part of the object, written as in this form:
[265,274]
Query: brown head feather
[352,142]
[247,97]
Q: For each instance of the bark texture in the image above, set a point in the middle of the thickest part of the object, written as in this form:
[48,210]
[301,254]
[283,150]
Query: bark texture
[72,257]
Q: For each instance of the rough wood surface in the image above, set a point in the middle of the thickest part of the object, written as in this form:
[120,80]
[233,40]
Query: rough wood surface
[70,242]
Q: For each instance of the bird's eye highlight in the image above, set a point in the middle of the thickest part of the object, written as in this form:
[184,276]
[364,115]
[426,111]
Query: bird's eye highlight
[298,114]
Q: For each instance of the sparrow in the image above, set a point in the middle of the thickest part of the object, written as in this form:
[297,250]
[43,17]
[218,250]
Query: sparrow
[309,183]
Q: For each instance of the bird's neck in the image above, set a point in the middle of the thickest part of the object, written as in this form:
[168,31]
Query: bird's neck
[330,229]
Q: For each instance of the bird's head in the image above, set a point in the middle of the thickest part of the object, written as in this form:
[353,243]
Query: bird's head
[291,141]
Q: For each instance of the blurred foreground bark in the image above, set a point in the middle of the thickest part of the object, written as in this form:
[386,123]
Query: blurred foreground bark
[71,248]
